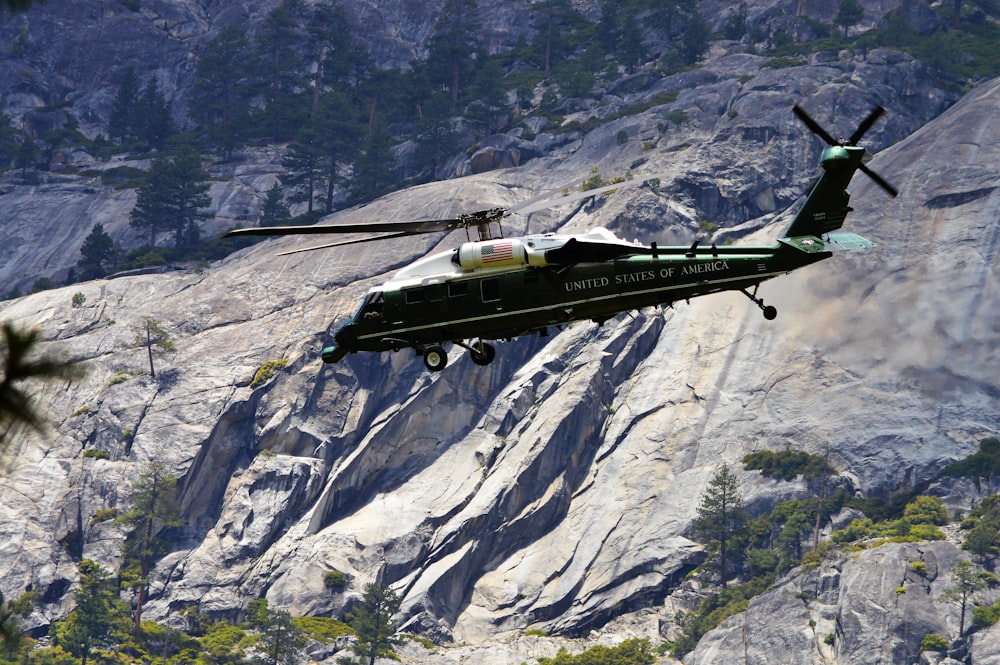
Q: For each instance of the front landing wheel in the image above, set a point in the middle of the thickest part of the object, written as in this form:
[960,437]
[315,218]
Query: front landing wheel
[770,312]
[435,358]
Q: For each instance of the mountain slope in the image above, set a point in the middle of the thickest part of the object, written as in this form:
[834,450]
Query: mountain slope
[555,488]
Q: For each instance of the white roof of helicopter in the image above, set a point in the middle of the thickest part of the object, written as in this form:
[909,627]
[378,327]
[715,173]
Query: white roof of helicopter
[439,268]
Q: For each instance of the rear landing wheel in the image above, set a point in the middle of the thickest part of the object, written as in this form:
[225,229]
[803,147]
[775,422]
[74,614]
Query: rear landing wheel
[435,358]
[482,353]
[770,311]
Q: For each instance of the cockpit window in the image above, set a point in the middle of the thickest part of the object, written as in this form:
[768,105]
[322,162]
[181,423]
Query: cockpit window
[371,307]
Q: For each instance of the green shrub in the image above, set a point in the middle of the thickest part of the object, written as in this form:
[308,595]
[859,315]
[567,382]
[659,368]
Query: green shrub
[985,615]
[630,652]
[421,640]
[335,580]
[981,464]
[79,299]
[103,515]
[267,371]
[96,454]
[933,642]
[322,629]
[787,464]
[121,376]
[926,510]
[919,567]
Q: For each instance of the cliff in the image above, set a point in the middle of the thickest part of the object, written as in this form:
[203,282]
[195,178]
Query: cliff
[555,488]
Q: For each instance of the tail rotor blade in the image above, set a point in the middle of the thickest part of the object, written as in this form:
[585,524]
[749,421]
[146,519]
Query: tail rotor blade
[880,181]
[813,126]
[865,125]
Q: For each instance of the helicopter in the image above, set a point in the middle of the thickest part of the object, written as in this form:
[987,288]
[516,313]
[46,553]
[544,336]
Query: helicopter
[497,288]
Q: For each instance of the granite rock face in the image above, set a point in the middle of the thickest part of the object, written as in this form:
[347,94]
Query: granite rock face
[555,488]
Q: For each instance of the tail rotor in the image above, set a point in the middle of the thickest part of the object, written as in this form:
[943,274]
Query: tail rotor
[862,129]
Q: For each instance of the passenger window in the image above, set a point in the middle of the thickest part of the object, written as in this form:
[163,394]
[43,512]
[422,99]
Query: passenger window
[414,296]
[456,289]
[491,289]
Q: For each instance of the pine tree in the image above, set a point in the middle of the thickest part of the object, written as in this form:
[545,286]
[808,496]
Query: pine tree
[175,192]
[302,165]
[274,211]
[452,50]
[966,583]
[558,24]
[374,169]
[156,340]
[372,621]
[121,124]
[220,95]
[721,516]
[99,619]
[98,252]
[154,508]
[849,12]
[279,65]
[10,631]
[280,639]
[338,134]
[153,124]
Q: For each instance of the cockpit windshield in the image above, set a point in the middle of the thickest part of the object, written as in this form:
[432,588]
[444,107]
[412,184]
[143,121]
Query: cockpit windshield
[371,307]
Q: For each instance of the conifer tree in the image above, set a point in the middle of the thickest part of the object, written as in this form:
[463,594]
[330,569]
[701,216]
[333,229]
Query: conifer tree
[99,619]
[173,197]
[279,65]
[849,12]
[220,95]
[10,631]
[339,133]
[721,516]
[966,582]
[156,340]
[558,24]
[121,124]
[280,639]
[154,508]
[302,163]
[152,122]
[274,211]
[451,57]
[372,621]
[98,252]
[374,168]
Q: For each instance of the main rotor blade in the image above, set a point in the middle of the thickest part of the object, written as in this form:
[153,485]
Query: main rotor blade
[879,180]
[426,226]
[865,125]
[345,242]
[813,125]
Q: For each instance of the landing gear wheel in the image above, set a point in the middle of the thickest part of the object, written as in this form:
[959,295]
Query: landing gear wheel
[482,353]
[435,358]
[770,311]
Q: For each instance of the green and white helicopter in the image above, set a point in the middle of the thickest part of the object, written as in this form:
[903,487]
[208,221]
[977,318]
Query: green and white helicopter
[498,288]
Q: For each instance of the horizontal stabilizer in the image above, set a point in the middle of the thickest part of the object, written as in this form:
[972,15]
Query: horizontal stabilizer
[830,242]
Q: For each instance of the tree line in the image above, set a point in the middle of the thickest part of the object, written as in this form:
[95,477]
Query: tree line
[107,625]
[746,554]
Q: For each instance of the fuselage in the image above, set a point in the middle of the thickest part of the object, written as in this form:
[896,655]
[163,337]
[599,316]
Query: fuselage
[436,299]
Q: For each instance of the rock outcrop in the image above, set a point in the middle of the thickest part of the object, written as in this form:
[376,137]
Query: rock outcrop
[553,489]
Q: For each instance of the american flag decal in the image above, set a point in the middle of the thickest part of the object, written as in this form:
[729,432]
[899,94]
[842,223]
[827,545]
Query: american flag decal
[498,251]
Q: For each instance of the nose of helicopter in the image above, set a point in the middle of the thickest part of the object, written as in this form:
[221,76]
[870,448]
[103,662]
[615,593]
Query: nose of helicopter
[343,337]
